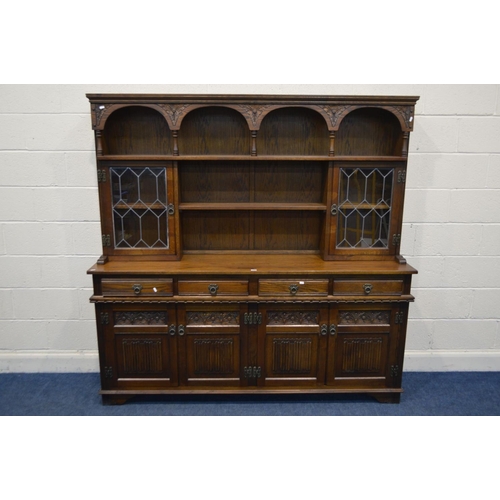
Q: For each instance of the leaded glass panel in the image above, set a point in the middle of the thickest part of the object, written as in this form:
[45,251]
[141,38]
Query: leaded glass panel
[140,212]
[364,207]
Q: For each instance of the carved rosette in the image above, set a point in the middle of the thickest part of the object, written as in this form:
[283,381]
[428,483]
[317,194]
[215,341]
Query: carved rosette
[141,318]
[364,317]
[213,318]
[293,318]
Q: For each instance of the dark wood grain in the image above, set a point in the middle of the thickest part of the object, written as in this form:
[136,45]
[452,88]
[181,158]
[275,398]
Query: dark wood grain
[231,278]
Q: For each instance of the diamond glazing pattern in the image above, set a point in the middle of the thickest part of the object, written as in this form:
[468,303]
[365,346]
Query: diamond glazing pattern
[140,212]
[364,211]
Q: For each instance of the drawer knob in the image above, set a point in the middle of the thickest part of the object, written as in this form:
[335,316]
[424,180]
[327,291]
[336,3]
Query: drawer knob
[213,289]
[294,289]
[137,289]
[367,287]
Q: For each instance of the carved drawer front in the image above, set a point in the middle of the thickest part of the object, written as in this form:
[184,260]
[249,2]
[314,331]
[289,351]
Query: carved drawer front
[137,288]
[367,287]
[293,288]
[213,288]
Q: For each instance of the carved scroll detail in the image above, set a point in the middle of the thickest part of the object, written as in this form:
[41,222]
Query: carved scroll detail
[253,112]
[364,317]
[174,111]
[213,318]
[141,318]
[293,318]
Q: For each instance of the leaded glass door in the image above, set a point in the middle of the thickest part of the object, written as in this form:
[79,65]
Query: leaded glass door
[142,211]
[365,206]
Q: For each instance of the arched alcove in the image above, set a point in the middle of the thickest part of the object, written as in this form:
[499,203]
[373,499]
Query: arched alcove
[214,130]
[293,131]
[136,130]
[369,132]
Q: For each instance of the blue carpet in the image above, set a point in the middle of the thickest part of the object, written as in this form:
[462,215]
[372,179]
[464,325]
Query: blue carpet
[437,394]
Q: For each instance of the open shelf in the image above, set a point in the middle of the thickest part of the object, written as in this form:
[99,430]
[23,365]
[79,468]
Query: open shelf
[252,206]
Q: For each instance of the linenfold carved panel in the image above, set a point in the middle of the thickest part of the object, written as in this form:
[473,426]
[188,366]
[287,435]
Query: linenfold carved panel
[213,356]
[362,355]
[292,356]
[142,356]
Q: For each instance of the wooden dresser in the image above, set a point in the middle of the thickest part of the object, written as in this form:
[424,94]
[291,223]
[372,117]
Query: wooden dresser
[251,244]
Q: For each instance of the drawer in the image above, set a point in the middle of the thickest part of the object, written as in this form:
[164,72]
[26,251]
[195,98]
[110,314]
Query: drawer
[293,288]
[137,288]
[367,287]
[213,288]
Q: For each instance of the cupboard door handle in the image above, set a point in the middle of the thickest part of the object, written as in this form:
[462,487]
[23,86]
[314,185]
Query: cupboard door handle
[367,287]
[324,329]
[333,329]
[333,209]
[170,209]
[137,289]
[213,289]
[171,330]
[181,330]
[294,289]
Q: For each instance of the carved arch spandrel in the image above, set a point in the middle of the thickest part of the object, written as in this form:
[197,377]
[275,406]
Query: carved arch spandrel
[253,114]
[336,114]
[101,112]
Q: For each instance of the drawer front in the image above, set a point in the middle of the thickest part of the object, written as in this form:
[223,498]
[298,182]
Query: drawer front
[367,287]
[293,288]
[137,288]
[213,288]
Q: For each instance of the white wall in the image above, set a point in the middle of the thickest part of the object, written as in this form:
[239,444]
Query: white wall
[50,234]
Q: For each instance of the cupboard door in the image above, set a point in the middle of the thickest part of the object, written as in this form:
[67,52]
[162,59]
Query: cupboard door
[360,346]
[140,346]
[212,339]
[292,344]
[138,209]
[366,201]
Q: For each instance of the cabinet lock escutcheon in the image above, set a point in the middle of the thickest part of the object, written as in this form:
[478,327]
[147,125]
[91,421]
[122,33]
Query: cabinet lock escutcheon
[137,288]
[368,287]
[213,289]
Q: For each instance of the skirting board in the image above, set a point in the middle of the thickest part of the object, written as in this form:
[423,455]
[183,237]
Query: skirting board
[88,361]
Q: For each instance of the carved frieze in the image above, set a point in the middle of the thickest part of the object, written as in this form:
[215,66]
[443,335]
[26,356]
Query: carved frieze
[364,317]
[293,317]
[141,318]
[213,318]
